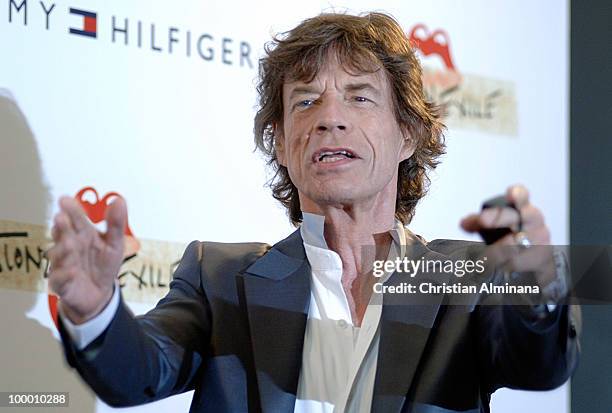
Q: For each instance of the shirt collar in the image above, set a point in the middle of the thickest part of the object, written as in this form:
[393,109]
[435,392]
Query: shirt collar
[317,250]
[312,230]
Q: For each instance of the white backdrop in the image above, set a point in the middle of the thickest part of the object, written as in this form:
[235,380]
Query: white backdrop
[172,132]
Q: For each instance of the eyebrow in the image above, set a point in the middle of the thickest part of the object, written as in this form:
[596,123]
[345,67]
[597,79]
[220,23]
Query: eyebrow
[356,87]
[302,90]
[351,87]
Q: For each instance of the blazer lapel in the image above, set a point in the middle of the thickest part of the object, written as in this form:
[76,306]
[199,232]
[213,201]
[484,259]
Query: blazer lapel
[277,290]
[405,325]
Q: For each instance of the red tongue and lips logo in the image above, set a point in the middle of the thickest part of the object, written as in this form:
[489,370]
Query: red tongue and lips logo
[95,212]
[436,43]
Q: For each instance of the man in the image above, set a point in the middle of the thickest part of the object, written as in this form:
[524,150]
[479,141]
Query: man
[300,326]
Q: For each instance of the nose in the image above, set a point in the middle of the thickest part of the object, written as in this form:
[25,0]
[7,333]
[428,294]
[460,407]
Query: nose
[332,116]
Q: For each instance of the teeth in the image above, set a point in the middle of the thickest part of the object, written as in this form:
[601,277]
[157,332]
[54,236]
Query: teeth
[324,156]
[332,158]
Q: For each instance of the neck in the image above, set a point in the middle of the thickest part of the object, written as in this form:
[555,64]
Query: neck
[355,235]
[359,234]
[353,229]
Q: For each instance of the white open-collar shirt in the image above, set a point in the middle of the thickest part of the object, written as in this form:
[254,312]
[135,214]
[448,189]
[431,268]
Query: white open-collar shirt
[339,359]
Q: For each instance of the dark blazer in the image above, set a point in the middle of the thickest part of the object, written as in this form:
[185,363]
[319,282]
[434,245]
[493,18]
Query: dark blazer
[232,328]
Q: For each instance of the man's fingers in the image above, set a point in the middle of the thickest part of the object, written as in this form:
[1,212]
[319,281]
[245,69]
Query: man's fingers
[518,195]
[56,254]
[539,235]
[116,219]
[62,254]
[62,278]
[471,223]
[498,218]
[506,253]
[532,216]
[503,217]
[60,257]
[502,250]
[75,212]
[62,227]
[55,233]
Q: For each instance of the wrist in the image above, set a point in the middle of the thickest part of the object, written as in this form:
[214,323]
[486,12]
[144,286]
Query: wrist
[77,317]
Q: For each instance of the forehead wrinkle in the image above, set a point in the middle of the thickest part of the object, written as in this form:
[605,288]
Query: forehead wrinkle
[309,68]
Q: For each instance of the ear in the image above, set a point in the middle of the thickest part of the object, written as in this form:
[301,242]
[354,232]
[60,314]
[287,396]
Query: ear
[408,145]
[279,144]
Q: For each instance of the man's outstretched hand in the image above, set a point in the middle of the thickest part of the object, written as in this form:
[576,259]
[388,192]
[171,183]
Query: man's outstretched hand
[538,260]
[84,261]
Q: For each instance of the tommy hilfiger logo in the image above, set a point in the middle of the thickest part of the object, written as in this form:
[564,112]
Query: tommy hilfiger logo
[90,23]
[168,39]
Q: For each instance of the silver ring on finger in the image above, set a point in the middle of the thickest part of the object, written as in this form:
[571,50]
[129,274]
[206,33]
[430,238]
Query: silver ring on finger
[522,240]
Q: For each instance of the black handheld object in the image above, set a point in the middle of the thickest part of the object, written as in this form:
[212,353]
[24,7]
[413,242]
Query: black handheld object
[493,234]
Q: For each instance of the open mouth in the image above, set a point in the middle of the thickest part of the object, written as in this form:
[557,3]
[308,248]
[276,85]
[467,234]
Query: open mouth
[332,155]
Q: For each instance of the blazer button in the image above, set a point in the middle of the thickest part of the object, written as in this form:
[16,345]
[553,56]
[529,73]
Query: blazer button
[148,391]
[572,330]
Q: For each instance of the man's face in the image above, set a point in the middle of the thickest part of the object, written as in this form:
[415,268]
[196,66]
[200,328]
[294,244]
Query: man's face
[340,140]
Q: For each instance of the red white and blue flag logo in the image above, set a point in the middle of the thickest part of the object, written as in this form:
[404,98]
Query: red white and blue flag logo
[89,27]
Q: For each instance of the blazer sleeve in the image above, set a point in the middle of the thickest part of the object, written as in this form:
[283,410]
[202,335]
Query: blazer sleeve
[518,353]
[140,359]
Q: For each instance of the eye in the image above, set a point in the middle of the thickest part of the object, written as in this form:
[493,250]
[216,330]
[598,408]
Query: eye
[302,104]
[361,99]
